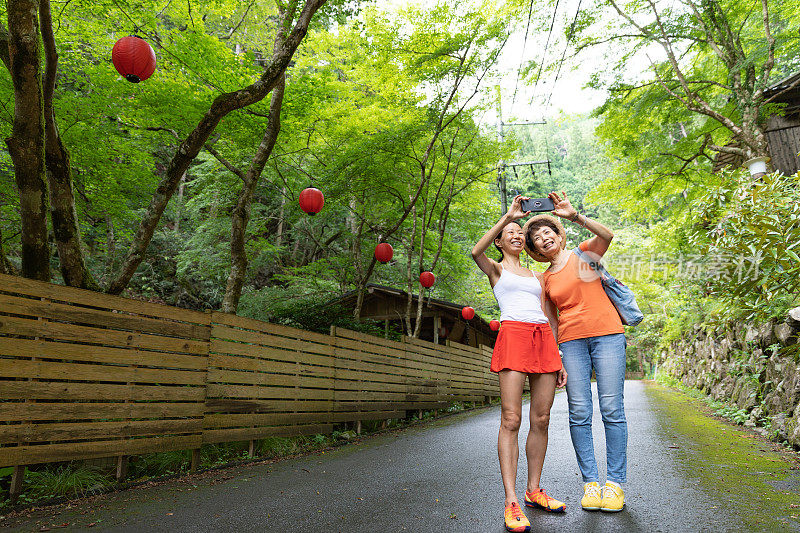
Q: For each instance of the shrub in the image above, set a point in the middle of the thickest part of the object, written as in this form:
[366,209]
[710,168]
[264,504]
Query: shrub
[65,481]
[159,464]
[750,229]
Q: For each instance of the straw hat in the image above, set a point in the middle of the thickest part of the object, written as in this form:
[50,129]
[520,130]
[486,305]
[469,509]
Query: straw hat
[559,228]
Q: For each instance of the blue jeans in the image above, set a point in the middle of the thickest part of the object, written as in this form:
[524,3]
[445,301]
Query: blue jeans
[606,355]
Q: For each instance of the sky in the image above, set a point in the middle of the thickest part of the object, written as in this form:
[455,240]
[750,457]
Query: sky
[550,97]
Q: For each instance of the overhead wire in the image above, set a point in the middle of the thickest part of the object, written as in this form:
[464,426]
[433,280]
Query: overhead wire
[541,63]
[564,54]
[522,55]
[544,52]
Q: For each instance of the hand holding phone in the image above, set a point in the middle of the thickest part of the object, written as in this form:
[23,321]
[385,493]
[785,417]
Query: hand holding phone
[537,204]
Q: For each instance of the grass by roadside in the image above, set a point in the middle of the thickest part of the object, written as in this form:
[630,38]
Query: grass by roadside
[759,477]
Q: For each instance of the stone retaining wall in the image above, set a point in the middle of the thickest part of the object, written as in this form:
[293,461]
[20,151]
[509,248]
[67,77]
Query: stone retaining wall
[741,364]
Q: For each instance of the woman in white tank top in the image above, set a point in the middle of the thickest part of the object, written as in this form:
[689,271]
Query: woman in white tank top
[525,350]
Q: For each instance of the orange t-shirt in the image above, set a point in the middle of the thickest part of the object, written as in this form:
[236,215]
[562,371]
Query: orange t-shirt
[584,310]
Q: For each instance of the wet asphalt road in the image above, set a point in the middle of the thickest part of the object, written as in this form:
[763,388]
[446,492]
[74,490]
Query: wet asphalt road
[433,478]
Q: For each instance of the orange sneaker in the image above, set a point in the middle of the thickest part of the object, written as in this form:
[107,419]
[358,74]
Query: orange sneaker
[516,519]
[540,499]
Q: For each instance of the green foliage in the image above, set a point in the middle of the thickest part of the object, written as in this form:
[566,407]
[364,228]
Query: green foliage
[212,455]
[659,142]
[364,98]
[159,464]
[732,413]
[669,381]
[724,252]
[70,480]
[751,228]
[277,446]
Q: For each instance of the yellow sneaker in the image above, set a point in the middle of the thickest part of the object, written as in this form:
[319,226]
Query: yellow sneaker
[613,498]
[591,496]
[516,520]
[541,500]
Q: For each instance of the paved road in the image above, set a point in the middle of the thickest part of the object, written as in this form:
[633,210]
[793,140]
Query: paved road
[439,478]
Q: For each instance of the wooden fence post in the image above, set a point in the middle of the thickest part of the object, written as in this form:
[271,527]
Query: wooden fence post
[16,482]
[122,467]
[335,398]
[195,460]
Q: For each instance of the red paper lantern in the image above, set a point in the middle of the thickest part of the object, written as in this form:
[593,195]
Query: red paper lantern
[384,252]
[311,200]
[426,279]
[494,325]
[133,58]
[468,313]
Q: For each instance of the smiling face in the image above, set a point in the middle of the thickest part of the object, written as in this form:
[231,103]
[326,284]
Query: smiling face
[546,241]
[511,240]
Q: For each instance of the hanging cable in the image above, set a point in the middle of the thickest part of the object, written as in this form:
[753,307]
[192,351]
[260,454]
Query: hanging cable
[522,55]
[564,54]
[544,53]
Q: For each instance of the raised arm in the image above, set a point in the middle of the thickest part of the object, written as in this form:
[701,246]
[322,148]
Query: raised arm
[491,267]
[602,239]
[550,312]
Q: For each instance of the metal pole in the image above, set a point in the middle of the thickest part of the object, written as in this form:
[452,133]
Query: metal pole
[501,176]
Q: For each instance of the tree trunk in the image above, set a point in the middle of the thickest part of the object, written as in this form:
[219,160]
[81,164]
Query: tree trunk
[355,250]
[422,234]
[191,145]
[281,214]
[179,208]
[111,247]
[362,276]
[62,201]
[212,211]
[26,144]
[241,213]
[5,265]
[409,276]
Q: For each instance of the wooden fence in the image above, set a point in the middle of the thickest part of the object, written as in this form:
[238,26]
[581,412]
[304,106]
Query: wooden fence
[85,375]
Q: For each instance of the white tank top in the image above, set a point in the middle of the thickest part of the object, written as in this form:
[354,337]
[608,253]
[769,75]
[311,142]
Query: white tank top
[519,298]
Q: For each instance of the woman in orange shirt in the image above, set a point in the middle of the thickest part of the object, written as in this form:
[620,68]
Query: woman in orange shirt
[591,337]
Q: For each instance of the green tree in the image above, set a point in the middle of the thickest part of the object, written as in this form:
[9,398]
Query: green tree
[192,143]
[703,93]
[26,144]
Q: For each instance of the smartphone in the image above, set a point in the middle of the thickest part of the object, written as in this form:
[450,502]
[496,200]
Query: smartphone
[537,204]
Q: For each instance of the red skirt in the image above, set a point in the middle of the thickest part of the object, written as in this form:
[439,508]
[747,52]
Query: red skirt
[525,347]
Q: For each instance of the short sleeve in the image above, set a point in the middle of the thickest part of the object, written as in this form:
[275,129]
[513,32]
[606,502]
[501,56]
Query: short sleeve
[584,246]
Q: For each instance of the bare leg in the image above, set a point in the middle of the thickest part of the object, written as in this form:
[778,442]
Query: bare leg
[543,389]
[511,385]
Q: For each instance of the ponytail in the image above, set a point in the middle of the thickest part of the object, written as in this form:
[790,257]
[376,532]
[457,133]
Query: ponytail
[499,259]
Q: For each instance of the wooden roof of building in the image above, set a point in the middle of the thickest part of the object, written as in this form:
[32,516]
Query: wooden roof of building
[783,130]
[789,86]
[431,306]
